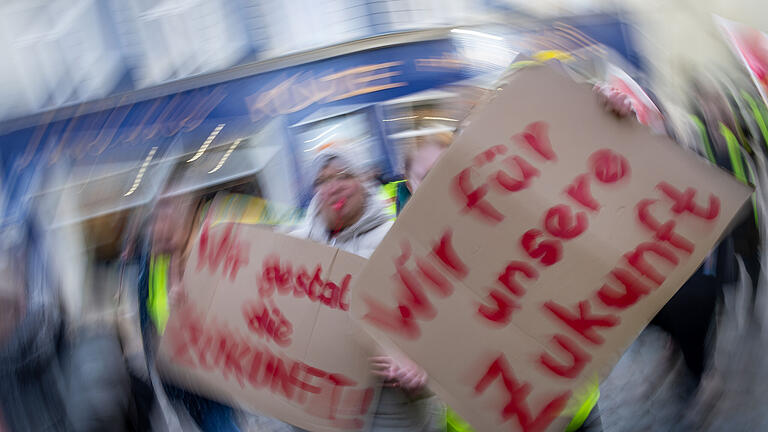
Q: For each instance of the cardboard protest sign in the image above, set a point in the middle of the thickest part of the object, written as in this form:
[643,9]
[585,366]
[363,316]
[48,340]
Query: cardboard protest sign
[266,326]
[537,249]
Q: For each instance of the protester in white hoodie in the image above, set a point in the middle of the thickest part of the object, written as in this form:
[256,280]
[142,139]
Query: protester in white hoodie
[346,213]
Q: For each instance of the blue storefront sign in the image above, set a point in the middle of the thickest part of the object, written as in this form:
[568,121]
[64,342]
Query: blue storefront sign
[128,132]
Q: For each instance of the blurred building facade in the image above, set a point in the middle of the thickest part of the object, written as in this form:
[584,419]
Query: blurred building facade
[62,52]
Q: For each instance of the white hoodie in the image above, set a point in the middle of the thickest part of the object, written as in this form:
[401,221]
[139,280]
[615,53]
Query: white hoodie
[362,238]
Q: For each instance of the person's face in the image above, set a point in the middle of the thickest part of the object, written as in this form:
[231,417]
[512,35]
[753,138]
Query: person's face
[423,160]
[341,194]
[171,226]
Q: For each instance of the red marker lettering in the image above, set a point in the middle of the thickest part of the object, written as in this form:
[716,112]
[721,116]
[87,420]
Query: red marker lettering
[624,298]
[301,284]
[301,377]
[665,232]
[412,295]
[233,361]
[518,393]
[513,184]
[255,378]
[281,378]
[283,328]
[501,311]
[343,303]
[330,295]
[439,282]
[536,138]
[399,321]
[448,256]
[184,338]
[234,358]
[265,324]
[221,349]
[313,289]
[284,279]
[309,372]
[549,251]
[684,202]
[202,349]
[582,322]
[226,250]
[580,192]
[269,276]
[473,198]
[507,278]
[489,155]
[559,222]
[181,351]
[339,381]
[608,166]
[637,260]
[578,358]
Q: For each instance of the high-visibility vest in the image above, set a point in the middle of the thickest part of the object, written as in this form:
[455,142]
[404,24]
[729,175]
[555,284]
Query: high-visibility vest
[388,194]
[582,403]
[579,408]
[157,301]
[735,157]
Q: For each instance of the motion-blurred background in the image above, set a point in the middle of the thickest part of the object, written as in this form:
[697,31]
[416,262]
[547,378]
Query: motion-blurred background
[107,106]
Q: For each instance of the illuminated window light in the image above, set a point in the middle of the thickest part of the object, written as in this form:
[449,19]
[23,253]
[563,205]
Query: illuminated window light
[324,133]
[225,157]
[320,144]
[400,118]
[140,175]
[477,33]
[440,118]
[207,142]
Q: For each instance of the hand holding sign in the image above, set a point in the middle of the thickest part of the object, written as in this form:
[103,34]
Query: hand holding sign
[401,373]
[614,100]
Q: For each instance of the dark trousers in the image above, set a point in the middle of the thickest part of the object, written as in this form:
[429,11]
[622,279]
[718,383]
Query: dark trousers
[688,316]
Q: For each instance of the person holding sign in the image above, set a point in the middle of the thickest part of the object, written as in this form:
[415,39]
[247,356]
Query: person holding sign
[346,214]
[163,257]
[420,160]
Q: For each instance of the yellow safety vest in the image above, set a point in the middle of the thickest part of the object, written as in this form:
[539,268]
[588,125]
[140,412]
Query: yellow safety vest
[388,194]
[157,302]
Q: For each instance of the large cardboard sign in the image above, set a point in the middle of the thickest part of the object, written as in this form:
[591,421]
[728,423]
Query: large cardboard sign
[537,249]
[266,326]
